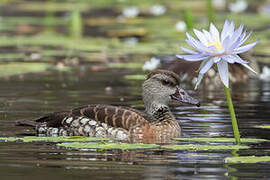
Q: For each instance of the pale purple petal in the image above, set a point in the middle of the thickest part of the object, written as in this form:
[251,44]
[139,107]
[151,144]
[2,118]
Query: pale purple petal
[243,35]
[234,45]
[231,29]
[236,38]
[238,32]
[200,77]
[245,48]
[200,36]
[244,39]
[234,59]
[216,59]
[248,67]
[207,66]
[202,64]
[239,60]
[207,36]
[228,59]
[225,44]
[228,30]
[223,72]
[224,30]
[188,50]
[192,57]
[214,32]
[197,45]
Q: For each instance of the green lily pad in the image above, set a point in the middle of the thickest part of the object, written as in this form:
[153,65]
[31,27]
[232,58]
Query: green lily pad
[79,142]
[126,65]
[204,147]
[54,139]
[247,159]
[122,146]
[135,77]
[263,127]
[221,140]
[22,68]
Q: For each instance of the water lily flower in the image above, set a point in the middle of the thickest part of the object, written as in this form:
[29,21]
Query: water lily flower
[215,48]
[265,75]
[152,64]
[181,26]
[157,9]
[219,3]
[238,6]
[131,12]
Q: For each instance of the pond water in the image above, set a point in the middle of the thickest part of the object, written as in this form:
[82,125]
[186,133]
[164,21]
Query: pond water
[28,96]
[47,55]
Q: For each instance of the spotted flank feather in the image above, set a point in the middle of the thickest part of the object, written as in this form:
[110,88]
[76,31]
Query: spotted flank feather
[83,126]
[92,121]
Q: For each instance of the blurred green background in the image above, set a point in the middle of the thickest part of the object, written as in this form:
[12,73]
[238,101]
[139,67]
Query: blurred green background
[65,32]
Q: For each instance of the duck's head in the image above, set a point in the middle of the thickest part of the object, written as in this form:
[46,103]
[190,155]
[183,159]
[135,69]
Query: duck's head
[162,87]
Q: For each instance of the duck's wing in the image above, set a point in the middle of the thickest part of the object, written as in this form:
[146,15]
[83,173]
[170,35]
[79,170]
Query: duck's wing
[113,116]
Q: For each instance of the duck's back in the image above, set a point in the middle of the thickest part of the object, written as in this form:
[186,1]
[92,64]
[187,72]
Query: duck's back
[91,120]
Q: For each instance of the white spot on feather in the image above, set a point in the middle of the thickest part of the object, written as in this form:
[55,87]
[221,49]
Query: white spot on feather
[92,123]
[69,120]
[105,125]
[121,135]
[55,130]
[84,121]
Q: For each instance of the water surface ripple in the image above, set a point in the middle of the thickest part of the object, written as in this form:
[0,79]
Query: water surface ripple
[31,96]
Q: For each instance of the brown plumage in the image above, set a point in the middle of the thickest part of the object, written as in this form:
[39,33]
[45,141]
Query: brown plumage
[156,124]
[188,71]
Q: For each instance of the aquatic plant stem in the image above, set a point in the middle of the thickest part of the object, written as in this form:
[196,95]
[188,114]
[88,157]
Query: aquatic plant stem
[233,117]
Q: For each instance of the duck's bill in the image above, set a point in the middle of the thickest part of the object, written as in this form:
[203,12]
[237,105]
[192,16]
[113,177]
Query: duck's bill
[182,96]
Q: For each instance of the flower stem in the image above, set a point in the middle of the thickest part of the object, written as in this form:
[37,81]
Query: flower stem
[232,113]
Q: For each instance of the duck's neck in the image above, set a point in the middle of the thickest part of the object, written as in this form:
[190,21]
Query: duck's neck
[159,112]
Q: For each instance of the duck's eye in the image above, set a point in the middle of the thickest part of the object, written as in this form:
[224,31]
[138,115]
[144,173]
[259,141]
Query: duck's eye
[166,83]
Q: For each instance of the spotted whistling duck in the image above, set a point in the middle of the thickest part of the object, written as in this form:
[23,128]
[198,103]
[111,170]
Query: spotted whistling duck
[159,90]
[188,71]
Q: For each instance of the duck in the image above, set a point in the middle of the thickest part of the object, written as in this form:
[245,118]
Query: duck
[188,71]
[160,90]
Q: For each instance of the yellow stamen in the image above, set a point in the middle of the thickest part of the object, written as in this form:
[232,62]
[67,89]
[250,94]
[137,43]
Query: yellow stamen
[216,43]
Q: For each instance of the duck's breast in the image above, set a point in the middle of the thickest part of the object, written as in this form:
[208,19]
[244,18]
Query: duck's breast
[155,132]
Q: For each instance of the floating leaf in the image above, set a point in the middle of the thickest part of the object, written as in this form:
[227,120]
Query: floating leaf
[204,147]
[226,140]
[22,68]
[135,77]
[126,65]
[54,139]
[263,127]
[247,159]
[122,146]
